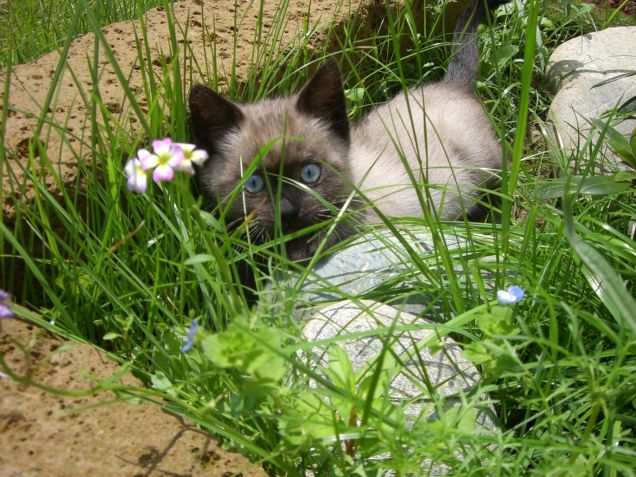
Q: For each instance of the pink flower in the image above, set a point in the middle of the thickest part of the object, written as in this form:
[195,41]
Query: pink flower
[5,310]
[166,158]
[191,156]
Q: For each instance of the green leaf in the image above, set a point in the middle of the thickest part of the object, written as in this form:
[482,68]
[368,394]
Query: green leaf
[595,185]
[355,95]
[477,353]
[504,53]
[212,221]
[604,280]
[625,176]
[111,336]
[614,78]
[306,419]
[616,142]
[200,258]
[628,107]
[499,321]
[161,382]
[340,370]
[253,352]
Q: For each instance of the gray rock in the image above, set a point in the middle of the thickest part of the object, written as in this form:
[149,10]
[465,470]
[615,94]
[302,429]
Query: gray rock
[426,373]
[423,380]
[379,264]
[448,371]
[579,64]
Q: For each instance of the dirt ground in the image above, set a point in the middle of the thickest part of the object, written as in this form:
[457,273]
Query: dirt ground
[47,434]
[54,435]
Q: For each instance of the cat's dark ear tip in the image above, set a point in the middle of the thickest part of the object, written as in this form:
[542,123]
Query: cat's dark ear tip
[331,63]
[331,68]
[199,90]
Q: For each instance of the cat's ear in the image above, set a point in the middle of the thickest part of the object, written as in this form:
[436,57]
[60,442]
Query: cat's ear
[323,98]
[211,116]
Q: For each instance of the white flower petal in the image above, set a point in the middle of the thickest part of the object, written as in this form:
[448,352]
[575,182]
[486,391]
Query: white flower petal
[143,153]
[175,158]
[186,148]
[162,146]
[185,166]
[163,173]
[137,183]
[131,166]
[150,161]
[199,156]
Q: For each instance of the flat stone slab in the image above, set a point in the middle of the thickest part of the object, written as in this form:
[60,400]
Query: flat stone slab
[449,373]
[427,373]
[579,64]
[380,263]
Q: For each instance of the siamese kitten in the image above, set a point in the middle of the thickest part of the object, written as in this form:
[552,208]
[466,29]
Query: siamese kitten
[433,143]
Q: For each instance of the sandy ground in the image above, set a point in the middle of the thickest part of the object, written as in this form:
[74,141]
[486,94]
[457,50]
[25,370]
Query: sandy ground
[52,435]
[48,434]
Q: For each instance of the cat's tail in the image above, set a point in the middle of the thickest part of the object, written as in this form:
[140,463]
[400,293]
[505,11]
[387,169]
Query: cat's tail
[462,69]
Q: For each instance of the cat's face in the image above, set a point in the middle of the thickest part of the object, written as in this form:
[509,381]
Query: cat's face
[301,147]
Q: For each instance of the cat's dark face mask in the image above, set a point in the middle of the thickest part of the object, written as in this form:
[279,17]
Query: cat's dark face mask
[277,166]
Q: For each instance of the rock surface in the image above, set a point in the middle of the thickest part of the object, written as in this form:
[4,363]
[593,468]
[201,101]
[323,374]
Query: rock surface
[447,371]
[379,262]
[430,372]
[575,67]
[53,435]
[424,380]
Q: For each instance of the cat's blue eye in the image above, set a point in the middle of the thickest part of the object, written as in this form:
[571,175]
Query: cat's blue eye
[310,173]
[254,184]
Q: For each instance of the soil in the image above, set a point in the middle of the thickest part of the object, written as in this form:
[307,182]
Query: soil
[54,435]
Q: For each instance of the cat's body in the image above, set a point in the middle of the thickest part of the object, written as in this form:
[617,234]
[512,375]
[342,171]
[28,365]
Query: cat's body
[450,157]
[436,144]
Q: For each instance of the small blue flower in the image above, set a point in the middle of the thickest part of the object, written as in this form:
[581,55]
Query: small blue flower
[191,334]
[5,310]
[512,295]
[4,296]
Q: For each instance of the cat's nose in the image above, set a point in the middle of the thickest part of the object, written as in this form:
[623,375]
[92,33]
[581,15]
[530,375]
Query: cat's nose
[288,209]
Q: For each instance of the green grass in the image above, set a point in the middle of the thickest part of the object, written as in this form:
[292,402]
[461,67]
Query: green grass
[128,272]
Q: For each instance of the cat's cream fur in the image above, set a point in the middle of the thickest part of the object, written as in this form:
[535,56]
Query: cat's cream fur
[443,136]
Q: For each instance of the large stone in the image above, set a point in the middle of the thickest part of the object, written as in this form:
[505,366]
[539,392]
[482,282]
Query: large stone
[380,263]
[576,67]
[449,373]
[430,372]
